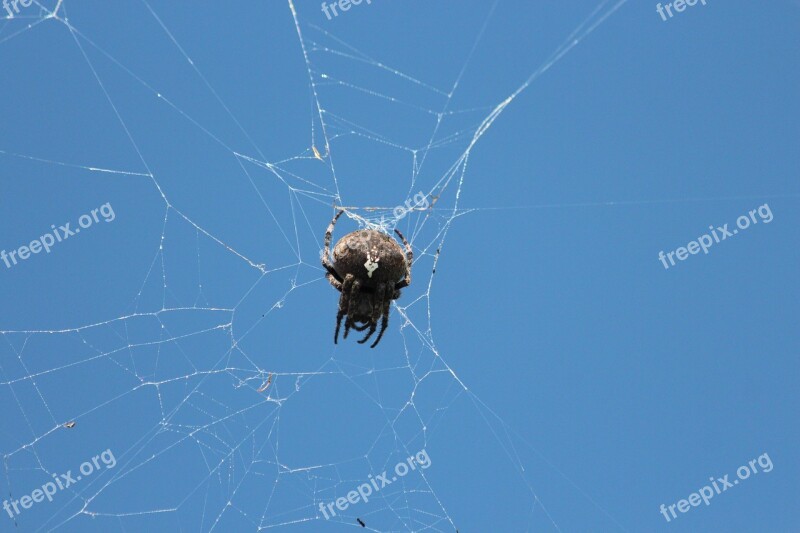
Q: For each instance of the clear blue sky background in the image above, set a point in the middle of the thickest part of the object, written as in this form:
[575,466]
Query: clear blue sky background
[557,375]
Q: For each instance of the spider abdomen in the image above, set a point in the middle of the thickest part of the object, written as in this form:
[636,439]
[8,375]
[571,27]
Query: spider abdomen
[370,256]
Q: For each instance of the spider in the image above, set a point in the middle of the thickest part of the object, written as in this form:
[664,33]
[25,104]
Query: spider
[369,268]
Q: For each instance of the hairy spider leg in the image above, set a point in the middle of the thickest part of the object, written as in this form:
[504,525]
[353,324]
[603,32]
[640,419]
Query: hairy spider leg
[344,304]
[409,258]
[336,285]
[326,254]
[377,309]
[384,323]
[352,301]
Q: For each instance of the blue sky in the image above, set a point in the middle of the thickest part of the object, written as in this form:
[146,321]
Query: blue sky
[556,375]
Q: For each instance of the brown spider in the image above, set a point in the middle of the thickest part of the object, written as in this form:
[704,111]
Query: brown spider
[369,269]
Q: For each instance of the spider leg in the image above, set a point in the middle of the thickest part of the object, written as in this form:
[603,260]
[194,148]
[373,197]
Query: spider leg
[372,326]
[352,301]
[326,254]
[384,321]
[409,258]
[380,296]
[344,304]
[336,284]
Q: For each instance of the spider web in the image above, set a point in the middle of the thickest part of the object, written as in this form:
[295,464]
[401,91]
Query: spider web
[201,365]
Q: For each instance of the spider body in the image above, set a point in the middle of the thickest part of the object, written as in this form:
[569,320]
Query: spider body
[371,256]
[369,268]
